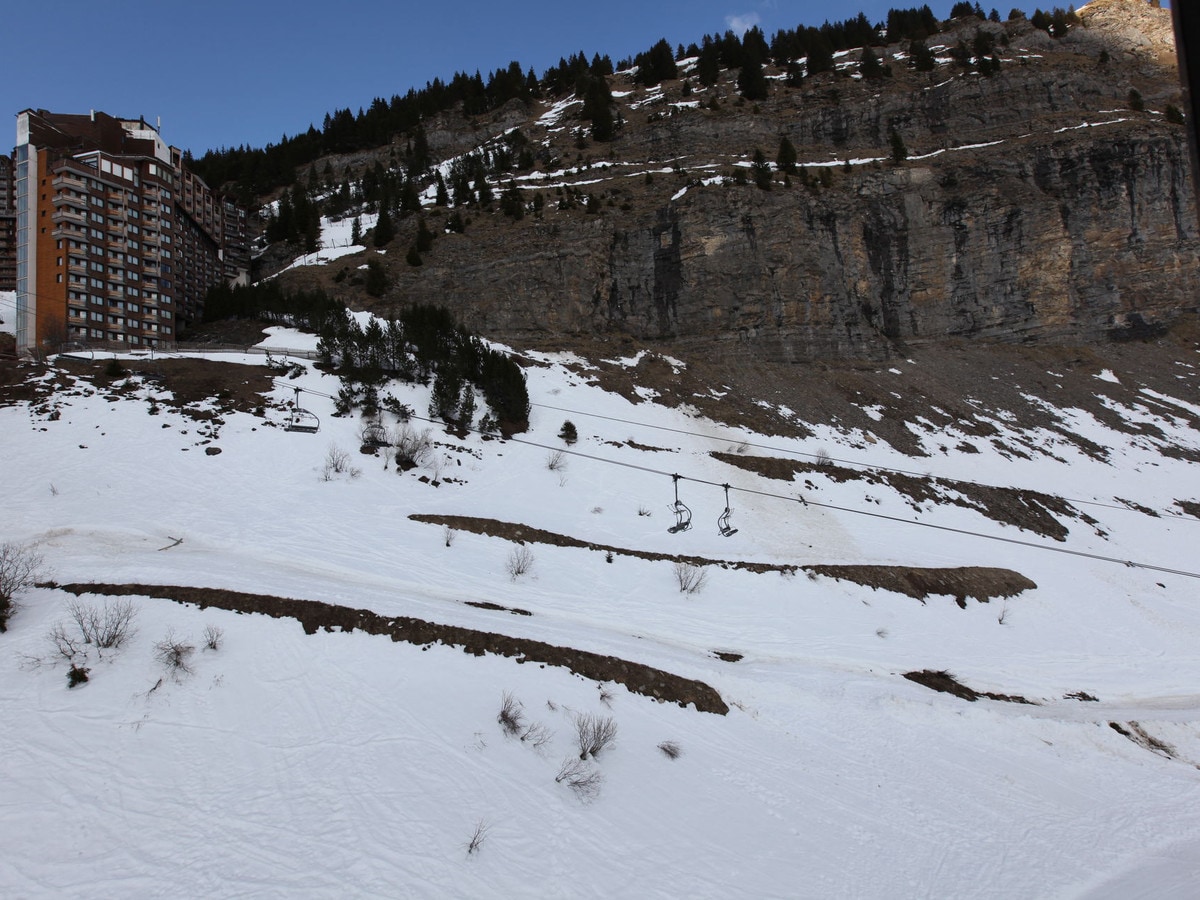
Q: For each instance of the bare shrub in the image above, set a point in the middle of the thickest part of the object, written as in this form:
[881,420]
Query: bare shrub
[337,461]
[1003,617]
[66,644]
[412,447]
[583,779]
[520,561]
[213,637]
[644,511]
[107,626]
[881,632]
[536,735]
[448,534]
[556,461]
[671,749]
[21,565]
[594,733]
[174,654]
[691,579]
[478,836]
[511,717]
[606,697]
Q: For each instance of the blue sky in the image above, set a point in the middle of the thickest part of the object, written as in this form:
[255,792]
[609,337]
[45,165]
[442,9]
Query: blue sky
[223,73]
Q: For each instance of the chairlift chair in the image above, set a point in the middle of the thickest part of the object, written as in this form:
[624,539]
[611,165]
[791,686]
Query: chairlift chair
[723,525]
[375,435]
[301,419]
[683,515]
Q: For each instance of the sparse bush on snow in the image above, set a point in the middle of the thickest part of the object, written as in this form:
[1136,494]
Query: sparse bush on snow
[690,578]
[174,654]
[107,626]
[536,735]
[213,636]
[337,462]
[477,837]
[520,561]
[594,733]
[671,749]
[583,779]
[20,567]
[413,447]
[511,717]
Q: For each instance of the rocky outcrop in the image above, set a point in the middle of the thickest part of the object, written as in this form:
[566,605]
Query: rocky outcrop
[1064,239]
[1034,206]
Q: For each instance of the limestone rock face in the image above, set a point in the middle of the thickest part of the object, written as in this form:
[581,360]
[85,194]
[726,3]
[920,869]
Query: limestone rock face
[1033,205]
[1067,239]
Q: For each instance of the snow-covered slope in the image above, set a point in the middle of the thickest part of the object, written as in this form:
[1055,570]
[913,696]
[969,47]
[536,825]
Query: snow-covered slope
[346,764]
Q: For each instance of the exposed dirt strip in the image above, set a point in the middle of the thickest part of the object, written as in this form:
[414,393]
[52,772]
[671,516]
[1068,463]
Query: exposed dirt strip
[980,582]
[314,615]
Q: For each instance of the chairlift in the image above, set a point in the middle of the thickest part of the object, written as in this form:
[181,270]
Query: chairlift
[301,419]
[723,525]
[683,515]
[375,435]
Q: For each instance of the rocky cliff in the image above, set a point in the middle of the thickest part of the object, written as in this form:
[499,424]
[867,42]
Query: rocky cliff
[1037,204]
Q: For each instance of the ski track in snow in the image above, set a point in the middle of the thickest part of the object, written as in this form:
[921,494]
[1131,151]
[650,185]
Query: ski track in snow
[348,765]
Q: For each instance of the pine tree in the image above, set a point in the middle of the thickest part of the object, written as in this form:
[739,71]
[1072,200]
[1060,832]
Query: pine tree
[597,108]
[869,65]
[820,55]
[356,231]
[443,196]
[785,160]
[511,203]
[466,408]
[376,277]
[413,257]
[761,169]
[483,189]
[752,81]
[899,151]
[708,66]
[384,230]
[921,57]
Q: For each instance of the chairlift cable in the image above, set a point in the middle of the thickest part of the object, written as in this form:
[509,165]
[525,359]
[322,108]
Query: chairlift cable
[800,498]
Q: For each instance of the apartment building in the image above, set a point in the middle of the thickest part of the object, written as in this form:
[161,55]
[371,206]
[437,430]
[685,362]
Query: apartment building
[8,231]
[116,241]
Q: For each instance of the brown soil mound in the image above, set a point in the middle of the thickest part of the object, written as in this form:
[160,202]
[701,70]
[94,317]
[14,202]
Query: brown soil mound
[1028,510]
[313,615]
[946,683]
[979,582]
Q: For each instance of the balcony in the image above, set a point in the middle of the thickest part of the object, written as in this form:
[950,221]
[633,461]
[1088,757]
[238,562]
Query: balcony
[68,179]
[66,214]
[68,200]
